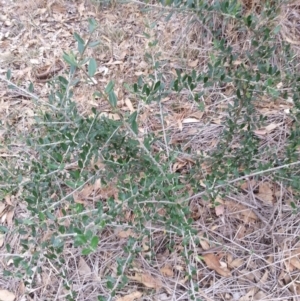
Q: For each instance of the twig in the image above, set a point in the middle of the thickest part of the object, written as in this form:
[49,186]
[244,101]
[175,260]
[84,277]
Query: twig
[243,178]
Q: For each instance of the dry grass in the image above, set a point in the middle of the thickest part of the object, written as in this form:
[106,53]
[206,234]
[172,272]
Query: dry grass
[253,231]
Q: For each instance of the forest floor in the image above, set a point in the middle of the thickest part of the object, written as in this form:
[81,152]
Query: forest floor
[253,250]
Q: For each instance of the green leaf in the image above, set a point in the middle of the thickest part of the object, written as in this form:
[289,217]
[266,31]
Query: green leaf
[31,88]
[92,25]
[8,74]
[146,35]
[50,216]
[80,43]
[132,122]
[277,29]
[112,98]
[94,242]
[94,44]
[156,86]
[92,68]
[109,87]
[97,94]
[71,184]
[70,59]
[86,251]
[80,240]
[3,229]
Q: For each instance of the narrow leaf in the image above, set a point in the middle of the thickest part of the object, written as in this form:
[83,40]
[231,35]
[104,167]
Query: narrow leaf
[109,87]
[92,68]
[112,98]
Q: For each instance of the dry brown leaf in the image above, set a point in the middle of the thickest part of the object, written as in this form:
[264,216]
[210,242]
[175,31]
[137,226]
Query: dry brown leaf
[78,199]
[180,125]
[126,233]
[83,267]
[2,207]
[241,231]
[294,287]
[236,262]
[213,263]
[129,105]
[190,120]
[250,295]
[110,115]
[197,115]
[229,259]
[2,236]
[131,297]
[8,200]
[265,193]
[3,218]
[204,244]
[9,217]
[86,191]
[219,210]
[261,132]
[293,261]
[147,280]
[167,270]
[193,63]
[81,9]
[178,165]
[264,278]
[240,212]
[248,184]
[6,295]
[248,216]
[271,127]
[145,244]
[260,296]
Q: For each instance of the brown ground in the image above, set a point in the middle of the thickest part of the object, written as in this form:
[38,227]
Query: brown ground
[256,224]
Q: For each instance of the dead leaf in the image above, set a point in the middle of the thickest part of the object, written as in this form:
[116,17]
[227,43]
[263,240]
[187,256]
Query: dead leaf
[264,278]
[131,297]
[129,105]
[190,120]
[241,231]
[293,262]
[236,263]
[8,200]
[9,217]
[266,130]
[240,212]
[81,9]
[2,236]
[145,244]
[147,280]
[249,296]
[167,270]
[213,263]
[83,268]
[260,296]
[247,184]
[271,127]
[126,233]
[193,63]
[2,207]
[265,193]
[6,295]
[219,210]
[178,165]
[204,244]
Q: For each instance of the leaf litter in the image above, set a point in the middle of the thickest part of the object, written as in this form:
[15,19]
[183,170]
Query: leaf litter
[235,223]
